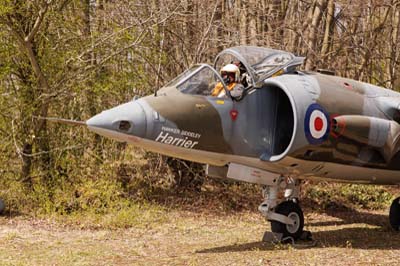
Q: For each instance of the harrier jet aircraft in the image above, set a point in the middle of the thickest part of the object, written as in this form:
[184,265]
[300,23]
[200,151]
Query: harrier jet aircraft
[284,126]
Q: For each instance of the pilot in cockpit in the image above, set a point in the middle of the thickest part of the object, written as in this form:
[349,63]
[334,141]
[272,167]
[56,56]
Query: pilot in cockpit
[231,76]
[244,76]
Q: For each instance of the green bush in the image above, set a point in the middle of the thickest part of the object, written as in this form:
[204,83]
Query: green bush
[349,195]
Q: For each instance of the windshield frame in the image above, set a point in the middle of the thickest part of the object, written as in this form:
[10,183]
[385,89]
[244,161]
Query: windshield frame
[240,58]
[199,68]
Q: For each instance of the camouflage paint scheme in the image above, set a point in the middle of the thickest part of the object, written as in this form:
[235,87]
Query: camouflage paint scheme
[302,124]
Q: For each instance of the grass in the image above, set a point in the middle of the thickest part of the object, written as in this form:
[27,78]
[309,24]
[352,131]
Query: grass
[219,226]
[122,220]
[186,238]
[132,215]
[349,195]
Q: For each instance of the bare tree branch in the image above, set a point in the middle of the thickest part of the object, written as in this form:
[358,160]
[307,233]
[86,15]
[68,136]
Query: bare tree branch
[38,22]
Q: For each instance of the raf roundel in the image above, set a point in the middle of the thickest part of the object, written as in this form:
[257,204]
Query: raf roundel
[316,124]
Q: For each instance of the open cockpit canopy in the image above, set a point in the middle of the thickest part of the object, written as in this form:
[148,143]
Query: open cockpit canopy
[260,63]
[255,63]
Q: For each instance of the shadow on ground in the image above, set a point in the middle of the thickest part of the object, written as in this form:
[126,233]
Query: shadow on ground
[349,234]
[356,238]
[354,217]
[346,214]
[10,214]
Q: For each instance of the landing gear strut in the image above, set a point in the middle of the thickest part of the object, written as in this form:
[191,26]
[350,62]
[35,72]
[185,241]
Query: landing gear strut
[394,214]
[281,208]
[280,205]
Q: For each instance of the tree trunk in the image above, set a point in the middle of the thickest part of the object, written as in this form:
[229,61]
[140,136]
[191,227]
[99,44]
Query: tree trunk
[394,53]
[243,22]
[328,31]
[90,60]
[39,128]
[253,23]
[312,39]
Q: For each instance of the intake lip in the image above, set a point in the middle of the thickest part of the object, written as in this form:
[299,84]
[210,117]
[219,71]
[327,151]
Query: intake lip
[281,86]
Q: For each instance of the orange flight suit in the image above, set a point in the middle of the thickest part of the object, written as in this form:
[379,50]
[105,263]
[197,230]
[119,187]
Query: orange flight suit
[219,88]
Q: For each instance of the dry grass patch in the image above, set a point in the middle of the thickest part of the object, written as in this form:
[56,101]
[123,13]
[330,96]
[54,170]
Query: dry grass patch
[188,238]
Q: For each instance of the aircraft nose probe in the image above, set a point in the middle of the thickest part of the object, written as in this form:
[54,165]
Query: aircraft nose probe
[128,118]
[63,121]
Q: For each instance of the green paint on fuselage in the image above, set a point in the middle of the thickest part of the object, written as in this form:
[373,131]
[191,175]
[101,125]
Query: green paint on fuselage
[192,113]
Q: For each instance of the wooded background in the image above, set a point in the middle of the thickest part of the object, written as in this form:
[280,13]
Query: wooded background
[75,58]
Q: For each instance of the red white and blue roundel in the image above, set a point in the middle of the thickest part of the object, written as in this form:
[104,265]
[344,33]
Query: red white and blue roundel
[316,124]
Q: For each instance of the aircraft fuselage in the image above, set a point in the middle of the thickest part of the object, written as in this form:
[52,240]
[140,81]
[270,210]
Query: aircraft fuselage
[307,124]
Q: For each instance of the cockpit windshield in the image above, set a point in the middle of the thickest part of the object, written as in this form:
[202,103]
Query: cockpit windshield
[201,80]
[182,76]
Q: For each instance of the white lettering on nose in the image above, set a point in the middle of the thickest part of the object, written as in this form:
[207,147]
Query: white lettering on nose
[194,143]
[188,144]
[165,138]
[161,137]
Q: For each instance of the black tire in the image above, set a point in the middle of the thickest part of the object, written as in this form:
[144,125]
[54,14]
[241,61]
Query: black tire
[293,211]
[394,214]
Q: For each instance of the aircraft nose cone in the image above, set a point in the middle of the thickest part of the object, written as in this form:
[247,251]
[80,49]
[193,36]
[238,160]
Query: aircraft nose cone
[128,118]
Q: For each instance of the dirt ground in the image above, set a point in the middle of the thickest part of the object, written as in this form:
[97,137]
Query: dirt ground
[187,238]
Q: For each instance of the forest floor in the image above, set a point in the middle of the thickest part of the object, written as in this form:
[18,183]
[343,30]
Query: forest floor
[184,237]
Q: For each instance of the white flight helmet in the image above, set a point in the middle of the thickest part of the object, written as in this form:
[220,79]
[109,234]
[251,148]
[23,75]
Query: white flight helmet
[231,68]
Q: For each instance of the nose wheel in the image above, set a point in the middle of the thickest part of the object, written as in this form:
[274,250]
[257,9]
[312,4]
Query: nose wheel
[293,211]
[281,209]
[394,214]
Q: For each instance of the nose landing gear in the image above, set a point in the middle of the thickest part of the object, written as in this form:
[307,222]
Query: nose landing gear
[280,206]
[283,211]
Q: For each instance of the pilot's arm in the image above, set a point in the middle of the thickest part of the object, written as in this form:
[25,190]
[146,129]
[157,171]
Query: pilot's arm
[236,90]
[218,89]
